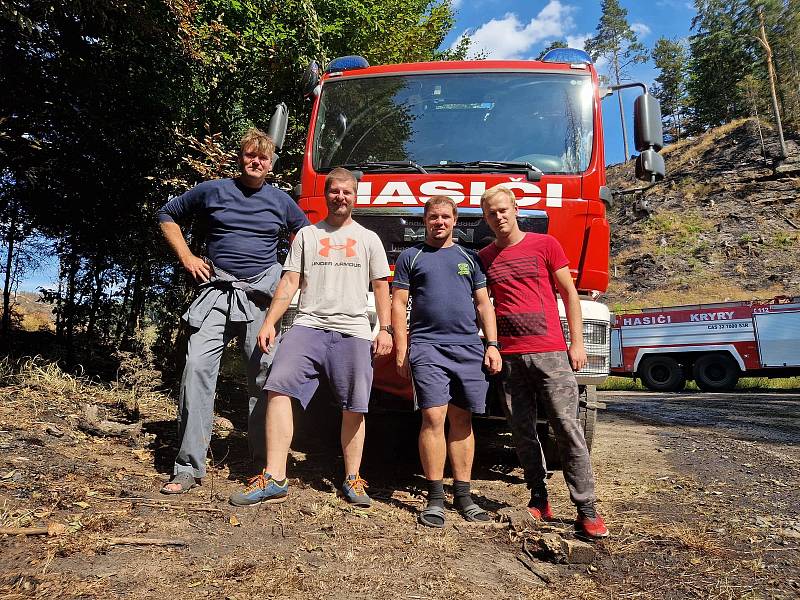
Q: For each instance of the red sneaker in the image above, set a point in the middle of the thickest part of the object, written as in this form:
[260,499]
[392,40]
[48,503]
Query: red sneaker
[593,528]
[541,511]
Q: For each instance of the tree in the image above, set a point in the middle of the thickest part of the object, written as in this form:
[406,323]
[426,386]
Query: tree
[720,57]
[616,42]
[670,59]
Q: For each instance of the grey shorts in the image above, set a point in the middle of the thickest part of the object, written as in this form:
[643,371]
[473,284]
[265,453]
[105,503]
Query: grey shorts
[304,355]
[449,373]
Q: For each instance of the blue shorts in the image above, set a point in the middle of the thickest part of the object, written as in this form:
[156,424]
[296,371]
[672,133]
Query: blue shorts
[449,373]
[305,354]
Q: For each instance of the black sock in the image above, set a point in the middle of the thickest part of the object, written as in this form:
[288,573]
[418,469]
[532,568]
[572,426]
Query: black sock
[461,494]
[435,493]
[462,498]
[538,496]
[587,510]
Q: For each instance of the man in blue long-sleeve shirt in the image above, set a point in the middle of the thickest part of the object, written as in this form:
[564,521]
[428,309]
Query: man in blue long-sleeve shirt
[245,219]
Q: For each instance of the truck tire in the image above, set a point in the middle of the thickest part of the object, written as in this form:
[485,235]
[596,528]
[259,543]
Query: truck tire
[661,374]
[716,372]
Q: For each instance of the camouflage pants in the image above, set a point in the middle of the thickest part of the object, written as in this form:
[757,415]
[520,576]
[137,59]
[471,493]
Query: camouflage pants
[548,377]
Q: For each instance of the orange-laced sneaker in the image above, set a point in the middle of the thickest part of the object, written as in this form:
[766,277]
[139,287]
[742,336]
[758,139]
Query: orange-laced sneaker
[353,490]
[261,488]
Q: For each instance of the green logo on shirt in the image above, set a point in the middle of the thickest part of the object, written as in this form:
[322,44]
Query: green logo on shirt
[463,269]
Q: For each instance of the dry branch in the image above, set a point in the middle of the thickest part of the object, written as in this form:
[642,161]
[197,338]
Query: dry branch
[131,541]
[24,531]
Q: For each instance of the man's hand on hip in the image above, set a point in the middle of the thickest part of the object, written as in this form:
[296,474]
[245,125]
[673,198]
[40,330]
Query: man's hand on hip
[197,268]
[577,356]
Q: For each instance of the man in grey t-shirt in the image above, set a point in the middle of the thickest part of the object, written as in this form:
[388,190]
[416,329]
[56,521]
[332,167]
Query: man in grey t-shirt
[333,264]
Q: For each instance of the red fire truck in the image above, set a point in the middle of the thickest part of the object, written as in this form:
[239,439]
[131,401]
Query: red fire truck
[412,131]
[714,344]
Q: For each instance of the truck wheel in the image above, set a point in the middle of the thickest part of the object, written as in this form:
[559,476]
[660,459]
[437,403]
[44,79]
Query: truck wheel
[661,374]
[716,372]
[587,416]
[587,412]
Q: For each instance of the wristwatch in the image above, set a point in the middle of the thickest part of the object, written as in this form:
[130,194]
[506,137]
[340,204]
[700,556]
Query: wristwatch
[494,344]
[387,328]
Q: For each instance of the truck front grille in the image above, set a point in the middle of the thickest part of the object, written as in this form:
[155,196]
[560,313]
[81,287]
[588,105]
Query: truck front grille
[595,339]
[288,318]
[401,228]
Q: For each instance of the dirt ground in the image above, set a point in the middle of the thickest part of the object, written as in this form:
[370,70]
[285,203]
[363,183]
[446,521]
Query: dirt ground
[700,492]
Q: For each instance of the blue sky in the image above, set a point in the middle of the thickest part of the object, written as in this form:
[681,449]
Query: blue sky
[520,29]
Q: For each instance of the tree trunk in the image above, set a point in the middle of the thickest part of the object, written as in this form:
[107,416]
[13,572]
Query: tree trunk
[12,232]
[97,291]
[122,318]
[621,112]
[70,305]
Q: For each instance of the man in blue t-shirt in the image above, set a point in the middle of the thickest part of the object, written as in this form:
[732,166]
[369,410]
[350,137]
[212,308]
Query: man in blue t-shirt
[245,219]
[446,357]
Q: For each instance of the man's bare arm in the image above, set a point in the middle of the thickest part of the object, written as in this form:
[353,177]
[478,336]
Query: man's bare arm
[572,306]
[400,326]
[485,309]
[196,266]
[287,286]
[382,345]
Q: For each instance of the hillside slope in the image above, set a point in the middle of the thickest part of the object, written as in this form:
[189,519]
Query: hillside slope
[724,224]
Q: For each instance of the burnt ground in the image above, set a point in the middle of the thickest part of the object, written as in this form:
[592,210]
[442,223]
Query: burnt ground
[699,490]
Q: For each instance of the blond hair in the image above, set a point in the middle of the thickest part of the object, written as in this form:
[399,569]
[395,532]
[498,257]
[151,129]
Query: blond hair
[258,141]
[440,201]
[498,190]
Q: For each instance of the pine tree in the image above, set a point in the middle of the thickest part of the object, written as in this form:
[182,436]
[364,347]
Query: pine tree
[721,56]
[617,43]
[670,59]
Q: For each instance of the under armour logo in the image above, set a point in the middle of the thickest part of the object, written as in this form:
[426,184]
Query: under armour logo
[349,247]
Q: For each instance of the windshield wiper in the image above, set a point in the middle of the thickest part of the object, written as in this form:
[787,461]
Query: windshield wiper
[534,173]
[385,165]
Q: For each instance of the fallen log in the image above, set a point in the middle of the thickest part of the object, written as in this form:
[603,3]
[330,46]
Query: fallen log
[93,424]
[24,531]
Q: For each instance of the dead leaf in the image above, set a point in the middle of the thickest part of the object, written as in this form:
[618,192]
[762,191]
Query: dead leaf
[142,454]
[234,521]
[81,504]
[54,529]
[9,475]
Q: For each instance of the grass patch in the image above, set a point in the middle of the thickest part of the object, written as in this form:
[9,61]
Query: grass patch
[628,384]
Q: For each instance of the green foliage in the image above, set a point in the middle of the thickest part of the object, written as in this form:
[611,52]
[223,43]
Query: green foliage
[670,59]
[727,65]
[110,107]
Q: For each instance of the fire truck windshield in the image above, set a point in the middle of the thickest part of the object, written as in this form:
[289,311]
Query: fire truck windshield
[434,119]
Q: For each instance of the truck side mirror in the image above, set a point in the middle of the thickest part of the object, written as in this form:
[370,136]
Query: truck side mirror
[277,125]
[647,128]
[309,84]
[650,166]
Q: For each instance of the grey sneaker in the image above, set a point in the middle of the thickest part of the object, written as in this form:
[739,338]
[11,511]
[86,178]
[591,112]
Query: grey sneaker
[354,492]
[261,488]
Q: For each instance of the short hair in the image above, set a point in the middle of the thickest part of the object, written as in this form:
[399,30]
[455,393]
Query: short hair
[257,139]
[340,174]
[440,201]
[498,190]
